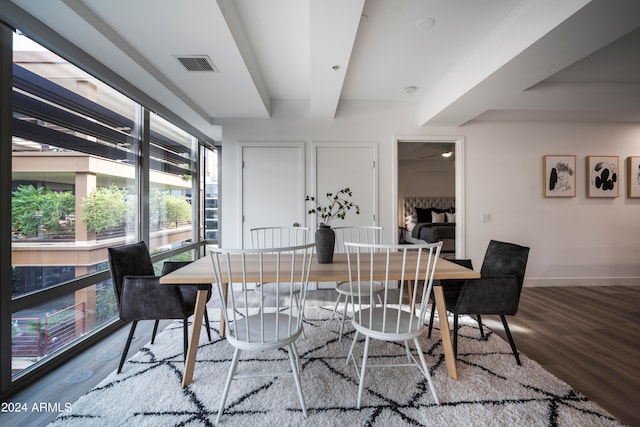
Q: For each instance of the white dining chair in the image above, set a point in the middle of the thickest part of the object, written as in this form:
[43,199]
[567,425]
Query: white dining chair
[258,327]
[393,320]
[279,237]
[356,234]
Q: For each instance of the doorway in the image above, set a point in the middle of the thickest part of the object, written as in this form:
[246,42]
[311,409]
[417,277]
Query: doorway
[431,166]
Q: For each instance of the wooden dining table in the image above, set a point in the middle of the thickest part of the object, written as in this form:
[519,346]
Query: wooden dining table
[201,272]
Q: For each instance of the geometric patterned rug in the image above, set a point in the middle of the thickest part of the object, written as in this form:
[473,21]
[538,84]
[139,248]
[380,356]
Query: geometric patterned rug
[492,390]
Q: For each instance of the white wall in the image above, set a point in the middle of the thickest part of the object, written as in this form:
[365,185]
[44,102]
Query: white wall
[573,241]
[417,178]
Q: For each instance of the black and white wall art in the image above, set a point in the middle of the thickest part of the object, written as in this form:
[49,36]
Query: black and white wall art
[559,176]
[602,176]
[633,177]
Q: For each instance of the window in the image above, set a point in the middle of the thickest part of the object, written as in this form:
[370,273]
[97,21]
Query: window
[171,185]
[75,171]
[73,195]
[209,198]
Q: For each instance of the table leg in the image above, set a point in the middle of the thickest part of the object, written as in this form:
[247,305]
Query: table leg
[194,340]
[225,293]
[410,292]
[447,344]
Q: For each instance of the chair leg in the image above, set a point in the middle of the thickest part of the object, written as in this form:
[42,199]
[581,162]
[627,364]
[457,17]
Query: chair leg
[127,344]
[480,326]
[425,370]
[511,342]
[353,344]
[455,335]
[408,350]
[344,315]
[296,377]
[296,300]
[155,329]
[206,322]
[363,369]
[297,356]
[232,371]
[335,306]
[185,338]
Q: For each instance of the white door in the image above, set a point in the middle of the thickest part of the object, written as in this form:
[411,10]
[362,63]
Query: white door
[272,186]
[349,165]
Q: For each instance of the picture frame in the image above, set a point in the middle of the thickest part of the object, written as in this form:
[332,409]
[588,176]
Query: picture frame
[603,179]
[633,177]
[559,175]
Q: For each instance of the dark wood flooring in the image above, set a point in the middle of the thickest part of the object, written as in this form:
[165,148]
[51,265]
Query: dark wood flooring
[587,336]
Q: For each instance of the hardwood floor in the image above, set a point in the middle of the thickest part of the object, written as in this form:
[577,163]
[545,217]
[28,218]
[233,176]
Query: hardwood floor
[587,336]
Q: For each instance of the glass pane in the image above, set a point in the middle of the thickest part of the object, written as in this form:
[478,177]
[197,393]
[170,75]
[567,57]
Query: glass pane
[171,185]
[73,170]
[73,195]
[47,329]
[209,204]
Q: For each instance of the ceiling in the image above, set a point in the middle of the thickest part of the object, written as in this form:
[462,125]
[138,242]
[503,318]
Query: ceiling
[456,61]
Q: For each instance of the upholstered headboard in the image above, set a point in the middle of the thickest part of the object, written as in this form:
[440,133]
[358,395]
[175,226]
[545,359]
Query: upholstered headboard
[409,204]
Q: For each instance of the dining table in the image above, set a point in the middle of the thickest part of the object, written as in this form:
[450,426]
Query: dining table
[201,272]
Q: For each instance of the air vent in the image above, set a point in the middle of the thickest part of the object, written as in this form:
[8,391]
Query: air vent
[197,63]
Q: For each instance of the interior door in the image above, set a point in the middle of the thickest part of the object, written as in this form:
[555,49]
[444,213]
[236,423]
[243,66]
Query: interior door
[349,165]
[272,186]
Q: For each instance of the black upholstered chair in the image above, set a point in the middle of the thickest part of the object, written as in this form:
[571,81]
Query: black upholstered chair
[496,292]
[140,296]
[451,289]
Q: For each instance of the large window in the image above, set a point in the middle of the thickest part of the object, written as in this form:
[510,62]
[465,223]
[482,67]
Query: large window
[209,187]
[73,194]
[77,189]
[171,185]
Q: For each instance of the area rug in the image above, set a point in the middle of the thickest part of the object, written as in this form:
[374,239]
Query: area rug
[491,390]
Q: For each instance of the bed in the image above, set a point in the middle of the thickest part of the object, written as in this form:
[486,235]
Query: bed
[429,219]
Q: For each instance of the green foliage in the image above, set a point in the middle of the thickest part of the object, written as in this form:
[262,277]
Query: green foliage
[178,209]
[157,209]
[107,306]
[34,207]
[337,206]
[166,208]
[106,208]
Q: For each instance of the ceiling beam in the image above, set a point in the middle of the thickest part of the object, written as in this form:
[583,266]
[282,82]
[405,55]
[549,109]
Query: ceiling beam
[333,28]
[537,40]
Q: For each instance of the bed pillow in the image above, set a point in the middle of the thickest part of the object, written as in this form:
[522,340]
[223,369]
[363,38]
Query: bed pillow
[424,214]
[437,216]
[451,217]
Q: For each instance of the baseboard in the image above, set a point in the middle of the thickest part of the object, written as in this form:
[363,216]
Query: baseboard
[581,281]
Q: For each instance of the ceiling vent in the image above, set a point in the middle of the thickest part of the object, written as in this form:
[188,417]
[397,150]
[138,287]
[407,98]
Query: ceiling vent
[197,63]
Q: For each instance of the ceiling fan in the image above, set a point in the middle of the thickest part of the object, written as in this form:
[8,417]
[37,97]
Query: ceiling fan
[446,153]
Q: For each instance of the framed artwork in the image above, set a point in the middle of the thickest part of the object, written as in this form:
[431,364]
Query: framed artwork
[559,176]
[633,177]
[602,176]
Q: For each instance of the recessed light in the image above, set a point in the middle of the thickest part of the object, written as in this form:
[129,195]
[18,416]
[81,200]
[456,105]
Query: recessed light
[425,23]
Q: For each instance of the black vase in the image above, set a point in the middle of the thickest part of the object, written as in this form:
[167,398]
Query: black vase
[325,241]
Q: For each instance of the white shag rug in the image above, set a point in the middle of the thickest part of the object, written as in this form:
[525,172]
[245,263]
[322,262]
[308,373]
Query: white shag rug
[492,390]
